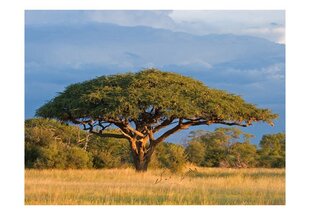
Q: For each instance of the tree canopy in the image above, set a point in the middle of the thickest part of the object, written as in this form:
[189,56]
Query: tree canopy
[226,147]
[272,150]
[143,103]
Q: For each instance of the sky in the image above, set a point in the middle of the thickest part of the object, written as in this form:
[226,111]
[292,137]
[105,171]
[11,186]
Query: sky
[268,24]
[239,51]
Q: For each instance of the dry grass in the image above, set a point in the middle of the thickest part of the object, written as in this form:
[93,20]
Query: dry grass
[206,186]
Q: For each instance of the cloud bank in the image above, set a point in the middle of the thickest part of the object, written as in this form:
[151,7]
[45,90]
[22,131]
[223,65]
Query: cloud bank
[265,24]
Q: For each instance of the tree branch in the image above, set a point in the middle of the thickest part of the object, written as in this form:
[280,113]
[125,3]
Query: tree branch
[171,131]
[195,122]
[183,125]
[138,133]
[127,136]
[164,124]
[217,122]
[232,123]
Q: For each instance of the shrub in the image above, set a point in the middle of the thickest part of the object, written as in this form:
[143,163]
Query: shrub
[61,156]
[78,158]
[105,159]
[171,156]
[109,152]
[242,155]
[195,152]
[51,144]
[272,151]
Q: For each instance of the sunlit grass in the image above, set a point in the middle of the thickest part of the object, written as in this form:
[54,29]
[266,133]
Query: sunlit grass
[203,186]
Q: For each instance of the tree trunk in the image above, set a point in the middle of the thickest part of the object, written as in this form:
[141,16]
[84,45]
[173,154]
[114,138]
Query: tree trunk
[140,165]
[141,156]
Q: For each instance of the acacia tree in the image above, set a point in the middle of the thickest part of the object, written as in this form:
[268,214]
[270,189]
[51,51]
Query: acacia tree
[144,103]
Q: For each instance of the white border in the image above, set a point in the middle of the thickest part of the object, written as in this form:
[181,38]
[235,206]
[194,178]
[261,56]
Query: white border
[12,103]
[158,4]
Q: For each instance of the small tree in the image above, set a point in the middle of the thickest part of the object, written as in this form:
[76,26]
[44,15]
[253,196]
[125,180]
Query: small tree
[144,103]
[196,153]
[228,147]
[242,155]
[272,150]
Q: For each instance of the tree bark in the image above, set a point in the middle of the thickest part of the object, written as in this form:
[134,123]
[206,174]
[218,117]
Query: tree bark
[141,155]
[140,164]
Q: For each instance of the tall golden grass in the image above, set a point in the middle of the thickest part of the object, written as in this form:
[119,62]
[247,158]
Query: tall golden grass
[195,186]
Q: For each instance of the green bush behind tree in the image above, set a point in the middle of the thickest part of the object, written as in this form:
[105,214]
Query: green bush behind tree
[272,150]
[51,144]
[231,147]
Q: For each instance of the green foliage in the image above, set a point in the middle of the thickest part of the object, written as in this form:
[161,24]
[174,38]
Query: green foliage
[214,154]
[51,144]
[78,158]
[221,148]
[109,152]
[241,155]
[105,159]
[60,156]
[272,150]
[170,156]
[129,95]
[47,146]
[196,153]
[140,104]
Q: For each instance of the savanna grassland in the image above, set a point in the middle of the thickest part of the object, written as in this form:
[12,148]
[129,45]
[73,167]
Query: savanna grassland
[201,186]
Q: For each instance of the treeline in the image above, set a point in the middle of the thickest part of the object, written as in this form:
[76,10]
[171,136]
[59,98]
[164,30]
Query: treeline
[51,144]
[230,147]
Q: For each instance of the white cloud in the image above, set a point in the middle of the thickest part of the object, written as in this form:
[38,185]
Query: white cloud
[274,72]
[248,17]
[274,33]
[152,18]
[267,24]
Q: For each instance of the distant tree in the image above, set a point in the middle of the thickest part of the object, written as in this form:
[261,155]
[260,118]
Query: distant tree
[242,155]
[196,152]
[228,147]
[272,150]
[143,104]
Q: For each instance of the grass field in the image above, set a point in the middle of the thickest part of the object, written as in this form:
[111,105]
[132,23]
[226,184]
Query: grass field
[203,186]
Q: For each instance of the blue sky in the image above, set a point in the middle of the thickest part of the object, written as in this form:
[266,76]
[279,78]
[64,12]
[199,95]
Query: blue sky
[240,51]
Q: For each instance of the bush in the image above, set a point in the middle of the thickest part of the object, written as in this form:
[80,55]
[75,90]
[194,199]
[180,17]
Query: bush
[272,151]
[214,154]
[196,153]
[171,156]
[105,159]
[61,156]
[51,156]
[242,155]
[78,158]
[51,144]
[109,152]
